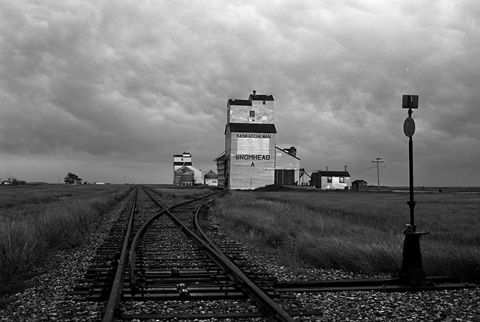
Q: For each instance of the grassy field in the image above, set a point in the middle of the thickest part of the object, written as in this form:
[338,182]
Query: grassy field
[176,193]
[37,218]
[358,231]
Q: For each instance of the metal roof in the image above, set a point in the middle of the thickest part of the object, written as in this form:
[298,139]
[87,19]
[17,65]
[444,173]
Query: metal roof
[220,157]
[334,173]
[284,150]
[185,169]
[211,175]
[359,181]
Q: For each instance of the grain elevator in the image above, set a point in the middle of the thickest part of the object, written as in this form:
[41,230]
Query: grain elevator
[250,157]
[183,171]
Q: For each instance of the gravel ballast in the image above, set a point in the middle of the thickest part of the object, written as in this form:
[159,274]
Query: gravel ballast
[47,298]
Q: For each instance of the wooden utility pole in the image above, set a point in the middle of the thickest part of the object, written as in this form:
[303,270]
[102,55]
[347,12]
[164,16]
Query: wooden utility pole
[378,161]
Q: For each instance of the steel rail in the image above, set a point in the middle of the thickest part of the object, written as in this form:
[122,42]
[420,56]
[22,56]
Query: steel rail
[177,205]
[379,284]
[117,286]
[273,310]
[133,246]
[144,228]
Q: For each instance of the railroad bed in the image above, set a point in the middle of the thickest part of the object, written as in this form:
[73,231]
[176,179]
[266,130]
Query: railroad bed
[158,263]
[47,296]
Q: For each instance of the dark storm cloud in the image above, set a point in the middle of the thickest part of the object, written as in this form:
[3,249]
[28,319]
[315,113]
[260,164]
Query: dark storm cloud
[141,80]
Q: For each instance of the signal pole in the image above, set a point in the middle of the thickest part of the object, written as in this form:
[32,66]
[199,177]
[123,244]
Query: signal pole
[378,161]
[412,267]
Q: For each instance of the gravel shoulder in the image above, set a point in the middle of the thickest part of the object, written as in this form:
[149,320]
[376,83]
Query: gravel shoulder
[47,298]
[454,305]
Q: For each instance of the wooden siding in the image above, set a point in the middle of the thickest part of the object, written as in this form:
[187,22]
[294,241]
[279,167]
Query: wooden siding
[251,160]
[221,171]
[285,161]
[284,177]
[241,113]
[177,178]
[321,181]
[335,184]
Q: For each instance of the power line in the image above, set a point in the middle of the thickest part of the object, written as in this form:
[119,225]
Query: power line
[349,171]
[378,161]
[436,163]
[361,170]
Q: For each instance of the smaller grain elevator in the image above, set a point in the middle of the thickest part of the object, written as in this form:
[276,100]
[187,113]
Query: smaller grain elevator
[183,171]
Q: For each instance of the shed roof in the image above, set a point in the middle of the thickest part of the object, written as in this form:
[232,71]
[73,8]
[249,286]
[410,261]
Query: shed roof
[359,181]
[184,169]
[334,173]
[221,157]
[287,152]
[211,175]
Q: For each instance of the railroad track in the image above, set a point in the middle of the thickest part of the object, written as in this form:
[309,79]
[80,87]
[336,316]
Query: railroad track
[166,261]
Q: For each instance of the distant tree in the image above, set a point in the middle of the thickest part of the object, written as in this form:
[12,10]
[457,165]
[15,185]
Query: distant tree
[72,178]
[13,180]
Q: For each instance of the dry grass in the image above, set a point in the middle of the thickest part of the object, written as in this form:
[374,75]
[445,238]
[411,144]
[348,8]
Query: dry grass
[35,219]
[358,231]
[170,192]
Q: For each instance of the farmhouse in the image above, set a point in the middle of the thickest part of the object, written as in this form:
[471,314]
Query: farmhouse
[336,180]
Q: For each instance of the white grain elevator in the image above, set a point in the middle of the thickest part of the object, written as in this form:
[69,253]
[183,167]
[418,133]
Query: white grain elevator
[249,160]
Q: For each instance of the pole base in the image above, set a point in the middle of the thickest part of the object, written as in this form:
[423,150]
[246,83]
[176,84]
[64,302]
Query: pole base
[412,273]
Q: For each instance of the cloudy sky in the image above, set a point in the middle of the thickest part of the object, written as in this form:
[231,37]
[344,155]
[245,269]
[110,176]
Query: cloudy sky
[111,89]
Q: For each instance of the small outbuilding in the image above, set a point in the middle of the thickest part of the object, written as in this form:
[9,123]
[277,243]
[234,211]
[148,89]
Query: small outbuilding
[359,185]
[287,166]
[211,179]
